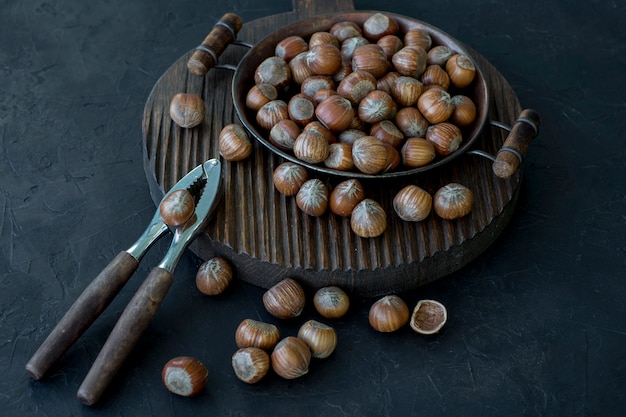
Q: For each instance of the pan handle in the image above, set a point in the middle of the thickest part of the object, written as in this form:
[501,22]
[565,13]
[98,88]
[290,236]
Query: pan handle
[511,155]
[206,55]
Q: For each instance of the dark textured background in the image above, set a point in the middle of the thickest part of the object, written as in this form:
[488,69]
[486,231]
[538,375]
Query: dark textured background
[537,324]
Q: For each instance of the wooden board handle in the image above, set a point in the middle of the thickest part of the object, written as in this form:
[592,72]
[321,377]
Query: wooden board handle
[511,154]
[87,307]
[208,52]
[131,325]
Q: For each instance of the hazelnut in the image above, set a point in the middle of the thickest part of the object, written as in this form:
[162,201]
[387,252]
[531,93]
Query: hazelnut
[289,177]
[319,129]
[385,83]
[435,104]
[273,70]
[234,143]
[184,376]
[285,299]
[187,110]
[356,85]
[428,317]
[410,61]
[390,44]
[310,147]
[259,95]
[411,122]
[445,137]
[377,106]
[393,158]
[335,113]
[464,112]
[417,152]
[406,90]
[418,37]
[214,276]
[345,196]
[272,113]
[369,154]
[254,333]
[177,207]
[388,132]
[319,337]
[435,75]
[348,47]
[340,157]
[291,46]
[378,25]
[345,30]
[291,358]
[250,364]
[439,55]
[388,314]
[283,134]
[331,302]
[300,71]
[412,203]
[453,201]
[323,37]
[370,58]
[312,198]
[368,219]
[461,70]
[324,59]
[301,109]
[314,83]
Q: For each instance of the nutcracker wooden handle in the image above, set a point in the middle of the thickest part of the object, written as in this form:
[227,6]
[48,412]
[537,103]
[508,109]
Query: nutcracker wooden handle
[511,154]
[94,299]
[134,320]
[208,52]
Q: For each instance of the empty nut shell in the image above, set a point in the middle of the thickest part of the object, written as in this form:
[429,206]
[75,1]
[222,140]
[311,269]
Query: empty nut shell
[453,201]
[388,314]
[254,333]
[184,376]
[428,317]
[214,276]
[250,364]
[285,299]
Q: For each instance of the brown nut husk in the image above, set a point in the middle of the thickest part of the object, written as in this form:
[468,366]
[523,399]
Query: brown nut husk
[428,317]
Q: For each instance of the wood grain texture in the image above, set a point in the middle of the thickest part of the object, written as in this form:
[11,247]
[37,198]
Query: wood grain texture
[268,238]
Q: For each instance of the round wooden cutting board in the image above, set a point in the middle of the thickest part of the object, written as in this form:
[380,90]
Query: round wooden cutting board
[265,235]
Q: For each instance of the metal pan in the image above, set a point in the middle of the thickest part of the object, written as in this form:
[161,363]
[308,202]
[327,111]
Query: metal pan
[506,160]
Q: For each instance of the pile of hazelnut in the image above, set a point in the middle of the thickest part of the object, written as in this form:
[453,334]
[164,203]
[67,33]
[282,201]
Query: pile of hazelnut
[369,99]
[261,346]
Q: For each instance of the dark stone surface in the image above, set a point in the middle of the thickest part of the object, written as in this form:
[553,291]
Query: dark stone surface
[537,324]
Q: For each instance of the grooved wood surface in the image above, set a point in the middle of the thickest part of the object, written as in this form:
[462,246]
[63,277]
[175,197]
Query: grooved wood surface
[268,238]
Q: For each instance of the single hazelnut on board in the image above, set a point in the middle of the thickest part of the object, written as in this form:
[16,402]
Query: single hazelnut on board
[453,201]
[187,110]
[289,177]
[234,143]
[345,196]
[368,219]
[312,197]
